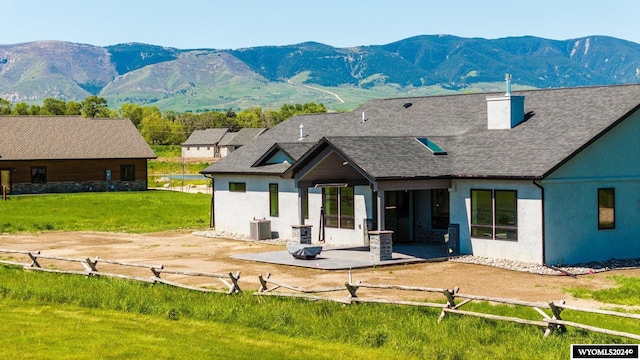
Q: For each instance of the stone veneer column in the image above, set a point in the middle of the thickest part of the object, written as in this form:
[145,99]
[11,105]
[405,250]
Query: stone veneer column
[380,245]
[301,234]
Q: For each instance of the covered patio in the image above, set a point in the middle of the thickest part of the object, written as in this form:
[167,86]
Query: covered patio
[344,258]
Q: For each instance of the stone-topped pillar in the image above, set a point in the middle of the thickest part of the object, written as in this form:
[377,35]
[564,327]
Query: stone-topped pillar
[301,234]
[380,245]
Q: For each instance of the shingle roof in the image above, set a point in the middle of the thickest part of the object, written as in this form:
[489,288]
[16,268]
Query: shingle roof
[70,137]
[226,138]
[242,137]
[560,123]
[401,157]
[205,137]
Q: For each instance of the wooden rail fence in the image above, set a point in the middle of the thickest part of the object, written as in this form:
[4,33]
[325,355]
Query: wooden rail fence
[90,268]
[550,322]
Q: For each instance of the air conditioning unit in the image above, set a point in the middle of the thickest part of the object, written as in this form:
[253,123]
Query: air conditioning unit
[260,229]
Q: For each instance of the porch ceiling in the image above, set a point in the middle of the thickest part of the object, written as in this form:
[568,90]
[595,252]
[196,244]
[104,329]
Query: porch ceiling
[331,168]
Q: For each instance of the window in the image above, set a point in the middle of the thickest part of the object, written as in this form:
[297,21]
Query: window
[494,214]
[38,175]
[431,145]
[606,208]
[440,209]
[273,200]
[339,210]
[237,187]
[127,173]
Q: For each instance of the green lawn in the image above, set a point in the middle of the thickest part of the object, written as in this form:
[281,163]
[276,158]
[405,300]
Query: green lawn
[39,331]
[54,316]
[627,292]
[135,212]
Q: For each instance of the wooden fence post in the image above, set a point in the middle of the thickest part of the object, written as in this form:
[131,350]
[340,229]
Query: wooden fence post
[263,283]
[556,316]
[233,286]
[352,290]
[451,303]
[34,259]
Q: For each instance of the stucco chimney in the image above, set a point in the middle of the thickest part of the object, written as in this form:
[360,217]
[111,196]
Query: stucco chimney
[505,111]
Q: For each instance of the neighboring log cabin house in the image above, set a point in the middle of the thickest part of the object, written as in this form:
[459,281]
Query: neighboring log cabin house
[64,154]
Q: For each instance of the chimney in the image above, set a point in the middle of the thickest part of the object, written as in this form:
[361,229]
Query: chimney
[506,111]
[301,132]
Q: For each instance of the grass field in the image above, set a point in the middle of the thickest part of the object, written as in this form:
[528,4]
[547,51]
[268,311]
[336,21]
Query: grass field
[68,316]
[135,212]
[54,316]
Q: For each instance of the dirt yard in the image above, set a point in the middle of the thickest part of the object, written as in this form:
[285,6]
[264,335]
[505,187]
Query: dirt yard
[185,251]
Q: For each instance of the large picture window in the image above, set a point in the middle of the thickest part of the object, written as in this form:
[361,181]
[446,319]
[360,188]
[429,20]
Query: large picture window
[38,175]
[339,209]
[273,200]
[494,214]
[606,208]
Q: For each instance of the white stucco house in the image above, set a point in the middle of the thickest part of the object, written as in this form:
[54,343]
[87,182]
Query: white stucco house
[544,176]
[234,140]
[204,143]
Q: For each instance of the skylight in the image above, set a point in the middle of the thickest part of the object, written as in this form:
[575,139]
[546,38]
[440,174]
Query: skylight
[435,148]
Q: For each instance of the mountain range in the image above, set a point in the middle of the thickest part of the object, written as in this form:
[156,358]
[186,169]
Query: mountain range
[341,78]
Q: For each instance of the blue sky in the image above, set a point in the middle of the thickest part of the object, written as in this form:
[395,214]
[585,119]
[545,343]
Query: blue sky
[236,24]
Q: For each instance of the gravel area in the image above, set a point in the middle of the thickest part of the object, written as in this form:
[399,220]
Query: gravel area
[234,236]
[534,268]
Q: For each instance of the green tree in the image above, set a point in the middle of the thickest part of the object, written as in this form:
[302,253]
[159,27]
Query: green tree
[94,106]
[21,108]
[178,135]
[273,118]
[5,107]
[155,129]
[54,106]
[73,108]
[170,115]
[149,110]
[308,108]
[35,110]
[132,112]
[251,118]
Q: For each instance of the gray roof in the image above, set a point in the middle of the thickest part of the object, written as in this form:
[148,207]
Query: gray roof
[559,124]
[402,156]
[227,138]
[70,137]
[242,137]
[205,137]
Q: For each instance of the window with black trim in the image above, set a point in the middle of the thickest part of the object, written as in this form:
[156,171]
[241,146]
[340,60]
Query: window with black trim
[38,175]
[237,187]
[606,208]
[494,214]
[127,173]
[339,211]
[273,200]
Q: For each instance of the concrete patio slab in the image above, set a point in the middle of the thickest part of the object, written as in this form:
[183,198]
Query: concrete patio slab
[352,258]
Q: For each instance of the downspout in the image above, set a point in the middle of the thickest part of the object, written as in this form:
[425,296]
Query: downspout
[544,256]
